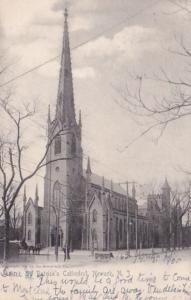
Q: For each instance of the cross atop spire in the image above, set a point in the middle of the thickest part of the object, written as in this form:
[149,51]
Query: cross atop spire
[65,111]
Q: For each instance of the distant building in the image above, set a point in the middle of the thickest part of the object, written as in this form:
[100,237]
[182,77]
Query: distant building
[166,227]
[32,218]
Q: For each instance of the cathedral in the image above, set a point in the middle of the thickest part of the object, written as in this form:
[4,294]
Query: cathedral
[81,209]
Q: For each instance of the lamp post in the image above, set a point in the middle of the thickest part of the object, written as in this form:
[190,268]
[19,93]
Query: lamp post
[136,228]
[127,214]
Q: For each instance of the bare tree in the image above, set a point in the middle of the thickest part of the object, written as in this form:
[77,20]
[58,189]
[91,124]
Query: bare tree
[180,205]
[169,217]
[12,170]
[16,221]
[174,102]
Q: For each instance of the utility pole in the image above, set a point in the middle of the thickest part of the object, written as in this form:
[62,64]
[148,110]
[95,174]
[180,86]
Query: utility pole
[57,233]
[108,230]
[136,228]
[127,217]
[127,190]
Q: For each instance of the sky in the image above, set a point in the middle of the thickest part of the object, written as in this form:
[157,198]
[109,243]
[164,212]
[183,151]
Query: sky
[123,37]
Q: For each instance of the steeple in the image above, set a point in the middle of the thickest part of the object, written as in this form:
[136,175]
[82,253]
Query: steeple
[65,111]
[166,192]
[48,121]
[24,198]
[36,196]
[49,118]
[133,191]
[80,118]
[88,170]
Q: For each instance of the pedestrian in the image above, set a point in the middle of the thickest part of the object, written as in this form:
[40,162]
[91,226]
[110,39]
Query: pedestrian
[64,249]
[68,252]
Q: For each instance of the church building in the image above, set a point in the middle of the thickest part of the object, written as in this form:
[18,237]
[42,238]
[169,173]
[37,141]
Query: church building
[81,209]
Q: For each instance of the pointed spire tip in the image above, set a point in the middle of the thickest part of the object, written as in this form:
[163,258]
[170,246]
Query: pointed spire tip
[36,191]
[49,112]
[66,13]
[25,195]
[88,171]
[80,118]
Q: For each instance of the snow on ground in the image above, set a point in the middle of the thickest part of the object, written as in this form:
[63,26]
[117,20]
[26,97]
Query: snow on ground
[149,276]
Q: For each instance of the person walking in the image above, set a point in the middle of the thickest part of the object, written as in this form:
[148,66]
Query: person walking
[66,250]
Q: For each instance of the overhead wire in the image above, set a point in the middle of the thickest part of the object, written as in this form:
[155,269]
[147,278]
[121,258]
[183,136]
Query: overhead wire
[80,44]
[76,47]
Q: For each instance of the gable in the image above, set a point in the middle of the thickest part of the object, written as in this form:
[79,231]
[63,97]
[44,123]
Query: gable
[30,203]
[95,202]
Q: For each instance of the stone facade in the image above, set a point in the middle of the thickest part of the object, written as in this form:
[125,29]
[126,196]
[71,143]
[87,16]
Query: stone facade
[158,212]
[32,220]
[87,211]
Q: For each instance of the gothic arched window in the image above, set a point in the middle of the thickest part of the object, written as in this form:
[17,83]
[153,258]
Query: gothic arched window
[56,193]
[120,229]
[57,145]
[94,215]
[29,218]
[29,235]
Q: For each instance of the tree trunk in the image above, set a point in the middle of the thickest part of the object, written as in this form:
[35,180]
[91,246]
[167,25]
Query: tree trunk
[175,237]
[6,237]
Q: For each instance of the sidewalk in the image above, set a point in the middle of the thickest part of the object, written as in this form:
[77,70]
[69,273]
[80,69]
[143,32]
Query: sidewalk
[83,257]
[116,253]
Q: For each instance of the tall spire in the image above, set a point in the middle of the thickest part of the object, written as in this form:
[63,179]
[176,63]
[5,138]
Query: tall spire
[49,118]
[65,112]
[80,119]
[24,196]
[88,170]
[36,195]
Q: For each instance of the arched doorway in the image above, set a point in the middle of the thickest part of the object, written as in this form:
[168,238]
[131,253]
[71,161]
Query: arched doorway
[75,230]
[76,237]
[53,237]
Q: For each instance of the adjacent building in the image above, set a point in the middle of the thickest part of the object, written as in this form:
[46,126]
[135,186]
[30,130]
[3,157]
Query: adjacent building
[32,219]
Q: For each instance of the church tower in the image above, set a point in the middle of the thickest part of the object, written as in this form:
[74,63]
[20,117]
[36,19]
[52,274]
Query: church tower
[166,195]
[63,179]
[165,226]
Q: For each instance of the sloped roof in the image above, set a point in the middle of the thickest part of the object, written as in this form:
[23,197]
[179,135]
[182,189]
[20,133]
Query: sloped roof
[97,180]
